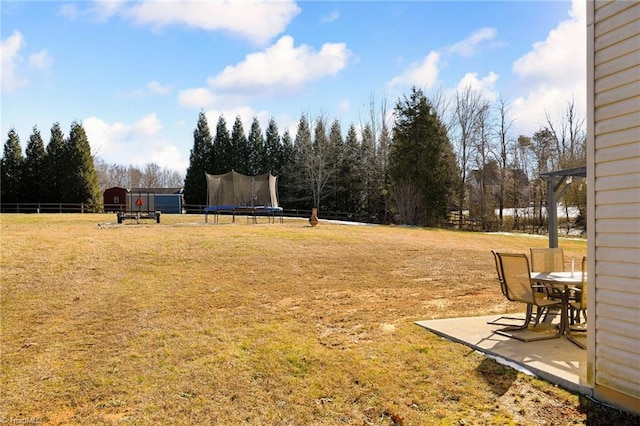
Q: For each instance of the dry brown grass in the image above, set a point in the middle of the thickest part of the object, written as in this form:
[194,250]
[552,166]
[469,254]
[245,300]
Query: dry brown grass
[186,323]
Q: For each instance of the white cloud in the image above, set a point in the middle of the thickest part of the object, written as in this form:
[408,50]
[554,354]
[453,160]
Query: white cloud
[199,97]
[486,86]
[156,88]
[147,127]
[282,66]
[333,16]
[344,105]
[153,88]
[468,46]
[135,144]
[258,21]
[97,11]
[424,74]
[10,48]
[553,73]
[41,60]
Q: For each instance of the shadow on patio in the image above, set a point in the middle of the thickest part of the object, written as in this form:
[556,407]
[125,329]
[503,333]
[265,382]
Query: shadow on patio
[557,360]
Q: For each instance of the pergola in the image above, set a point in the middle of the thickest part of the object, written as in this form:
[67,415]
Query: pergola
[557,183]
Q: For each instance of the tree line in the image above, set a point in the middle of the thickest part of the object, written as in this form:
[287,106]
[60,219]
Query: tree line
[433,158]
[436,157]
[63,171]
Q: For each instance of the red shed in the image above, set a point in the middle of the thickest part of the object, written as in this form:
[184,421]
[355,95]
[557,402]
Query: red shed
[115,199]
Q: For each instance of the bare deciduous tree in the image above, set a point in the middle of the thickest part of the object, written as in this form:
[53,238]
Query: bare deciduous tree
[468,103]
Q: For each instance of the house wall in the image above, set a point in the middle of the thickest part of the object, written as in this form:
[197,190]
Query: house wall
[613,178]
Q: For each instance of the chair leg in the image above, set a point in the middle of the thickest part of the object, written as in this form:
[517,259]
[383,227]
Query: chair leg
[539,313]
[512,327]
[503,332]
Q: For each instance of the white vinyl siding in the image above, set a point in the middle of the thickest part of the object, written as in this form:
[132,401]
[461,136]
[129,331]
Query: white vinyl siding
[615,192]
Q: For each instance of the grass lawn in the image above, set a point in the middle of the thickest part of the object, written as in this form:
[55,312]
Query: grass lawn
[187,323]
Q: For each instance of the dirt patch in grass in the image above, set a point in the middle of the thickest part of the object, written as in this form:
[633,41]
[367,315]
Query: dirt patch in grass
[186,323]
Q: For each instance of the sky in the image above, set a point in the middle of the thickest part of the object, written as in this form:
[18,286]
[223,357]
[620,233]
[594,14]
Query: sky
[137,74]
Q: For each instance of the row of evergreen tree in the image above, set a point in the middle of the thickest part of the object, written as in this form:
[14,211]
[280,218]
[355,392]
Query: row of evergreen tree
[414,179]
[61,172]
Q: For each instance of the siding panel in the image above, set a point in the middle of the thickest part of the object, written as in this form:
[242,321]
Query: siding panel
[613,340]
[618,151]
[619,137]
[613,14]
[616,94]
[619,291]
[631,180]
[615,311]
[618,269]
[627,255]
[631,196]
[619,122]
[624,299]
[618,211]
[618,240]
[613,59]
[620,370]
[623,166]
[617,35]
[613,30]
[618,109]
[628,76]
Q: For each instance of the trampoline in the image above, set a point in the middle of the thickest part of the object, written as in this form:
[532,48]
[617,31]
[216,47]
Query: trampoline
[237,194]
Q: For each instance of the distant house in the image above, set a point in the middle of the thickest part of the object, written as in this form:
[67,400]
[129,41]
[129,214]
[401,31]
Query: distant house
[165,200]
[613,201]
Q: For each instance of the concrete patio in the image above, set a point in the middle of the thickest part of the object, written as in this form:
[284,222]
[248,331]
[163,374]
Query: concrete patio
[556,360]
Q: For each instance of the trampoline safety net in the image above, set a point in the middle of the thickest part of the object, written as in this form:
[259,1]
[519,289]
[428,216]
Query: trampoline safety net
[234,189]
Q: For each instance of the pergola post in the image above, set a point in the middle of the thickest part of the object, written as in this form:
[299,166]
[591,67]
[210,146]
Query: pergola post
[552,214]
[557,184]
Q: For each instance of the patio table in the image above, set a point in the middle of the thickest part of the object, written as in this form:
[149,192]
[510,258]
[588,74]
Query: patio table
[562,281]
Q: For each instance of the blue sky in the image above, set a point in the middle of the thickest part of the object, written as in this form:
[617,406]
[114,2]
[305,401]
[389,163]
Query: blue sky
[138,73]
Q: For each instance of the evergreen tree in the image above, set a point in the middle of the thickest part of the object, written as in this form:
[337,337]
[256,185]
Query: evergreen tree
[287,173]
[368,156]
[35,176]
[57,165]
[303,171]
[351,193]
[322,167]
[258,156]
[422,165]
[382,173]
[273,150]
[11,169]
[239,153]
[221,154]
[336,145]
[195,183]
[81,185]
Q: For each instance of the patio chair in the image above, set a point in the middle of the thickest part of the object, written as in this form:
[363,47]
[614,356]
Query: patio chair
[520,288]
[510,320]
[547,259]
[580,303]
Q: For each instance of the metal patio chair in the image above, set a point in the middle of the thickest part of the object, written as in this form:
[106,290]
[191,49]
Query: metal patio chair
[580,303]
[547,259]
[508,320]
[520,288]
